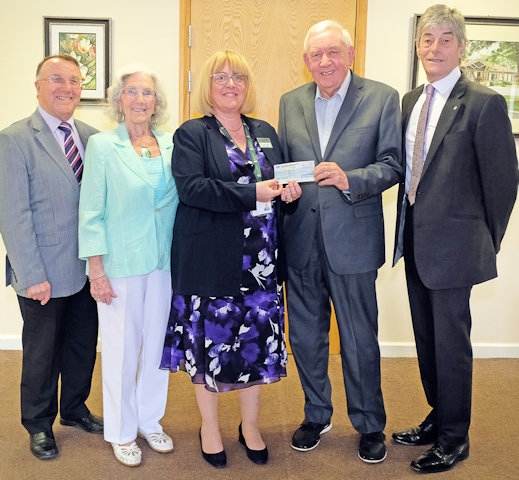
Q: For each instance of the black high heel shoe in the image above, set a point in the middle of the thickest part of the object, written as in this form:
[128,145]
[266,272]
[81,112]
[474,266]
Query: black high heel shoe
[259,457]
[218,460]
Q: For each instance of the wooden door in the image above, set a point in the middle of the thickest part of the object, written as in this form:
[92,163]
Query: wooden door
[270,34]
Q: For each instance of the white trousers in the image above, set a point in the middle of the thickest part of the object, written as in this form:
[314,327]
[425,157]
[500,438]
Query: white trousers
[132,330]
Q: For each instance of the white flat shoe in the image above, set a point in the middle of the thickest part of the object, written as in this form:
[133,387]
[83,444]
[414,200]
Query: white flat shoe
[160,442]
[129,455]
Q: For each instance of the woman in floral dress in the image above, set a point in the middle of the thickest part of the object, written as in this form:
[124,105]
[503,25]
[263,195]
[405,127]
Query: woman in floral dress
[226,327]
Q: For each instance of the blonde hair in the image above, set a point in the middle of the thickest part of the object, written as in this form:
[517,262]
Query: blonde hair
[214,64]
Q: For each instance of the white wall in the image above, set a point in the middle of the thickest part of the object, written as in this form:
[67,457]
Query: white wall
[495,304]
[149,33]
[142,32]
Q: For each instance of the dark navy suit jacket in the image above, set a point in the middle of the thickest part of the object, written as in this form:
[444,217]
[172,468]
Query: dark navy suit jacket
[467,190]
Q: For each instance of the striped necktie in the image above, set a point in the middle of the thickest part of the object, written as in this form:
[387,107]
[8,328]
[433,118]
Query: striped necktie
[71,151]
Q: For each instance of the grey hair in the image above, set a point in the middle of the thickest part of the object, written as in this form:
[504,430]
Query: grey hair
[442,15]
[114,92]
[328,25]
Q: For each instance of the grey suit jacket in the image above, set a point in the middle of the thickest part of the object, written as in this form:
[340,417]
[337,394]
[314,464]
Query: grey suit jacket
[39,198]
[467,189]
[366,143]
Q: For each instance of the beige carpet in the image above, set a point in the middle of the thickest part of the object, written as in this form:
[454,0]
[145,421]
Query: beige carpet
[494,432]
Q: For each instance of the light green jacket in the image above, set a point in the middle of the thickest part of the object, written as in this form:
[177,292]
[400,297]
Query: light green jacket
[117,215]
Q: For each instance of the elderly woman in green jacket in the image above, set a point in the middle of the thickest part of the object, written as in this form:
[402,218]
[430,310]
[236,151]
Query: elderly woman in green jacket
[127,208]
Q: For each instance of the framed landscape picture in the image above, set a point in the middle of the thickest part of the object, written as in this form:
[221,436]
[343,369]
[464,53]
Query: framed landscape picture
[491,59]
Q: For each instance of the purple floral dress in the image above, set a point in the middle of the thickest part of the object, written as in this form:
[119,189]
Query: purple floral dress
[230,343]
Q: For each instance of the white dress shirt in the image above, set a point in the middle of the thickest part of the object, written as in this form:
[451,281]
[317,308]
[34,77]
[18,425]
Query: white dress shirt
[442,91]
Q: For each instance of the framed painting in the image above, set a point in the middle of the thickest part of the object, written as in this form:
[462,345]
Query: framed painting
[88,41]
[491,59]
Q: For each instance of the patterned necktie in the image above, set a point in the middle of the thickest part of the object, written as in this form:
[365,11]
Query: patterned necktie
[419,143]
[71,151]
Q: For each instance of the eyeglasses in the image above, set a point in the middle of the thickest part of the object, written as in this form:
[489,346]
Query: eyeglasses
[133,92]
[74,82]
[223,78]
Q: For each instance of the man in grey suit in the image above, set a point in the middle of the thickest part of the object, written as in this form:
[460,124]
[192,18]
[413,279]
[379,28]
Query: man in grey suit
[39,199]
[450,227]
[334,234]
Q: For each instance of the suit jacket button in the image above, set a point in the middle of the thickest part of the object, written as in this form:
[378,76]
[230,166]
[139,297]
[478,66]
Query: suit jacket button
[313,210]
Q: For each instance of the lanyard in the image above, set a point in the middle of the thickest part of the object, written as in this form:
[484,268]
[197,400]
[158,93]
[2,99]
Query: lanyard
[250,146]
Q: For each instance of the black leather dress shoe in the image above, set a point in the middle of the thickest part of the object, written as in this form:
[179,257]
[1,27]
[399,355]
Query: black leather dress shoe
[440,458]
[372,448]
[424,434]
[89,423]
[259,457]
[308,435]
[217,460]
[43,445]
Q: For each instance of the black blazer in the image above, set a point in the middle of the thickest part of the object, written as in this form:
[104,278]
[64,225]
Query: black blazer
[467,190]
[207,249]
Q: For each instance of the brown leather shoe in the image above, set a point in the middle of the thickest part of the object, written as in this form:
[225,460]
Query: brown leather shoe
[424,434]
[43,445]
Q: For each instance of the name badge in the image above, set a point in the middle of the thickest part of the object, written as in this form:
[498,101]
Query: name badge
[262,208]
[264,142]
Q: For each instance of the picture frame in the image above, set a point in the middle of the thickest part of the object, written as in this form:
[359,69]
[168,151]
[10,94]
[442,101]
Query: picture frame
[491,44]
[88,41]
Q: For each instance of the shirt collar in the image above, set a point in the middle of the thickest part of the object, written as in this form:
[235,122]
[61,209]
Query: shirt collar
[52,121]
[341,93]
[446,84]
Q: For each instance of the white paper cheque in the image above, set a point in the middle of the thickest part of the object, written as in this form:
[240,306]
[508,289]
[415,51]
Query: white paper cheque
[299,171]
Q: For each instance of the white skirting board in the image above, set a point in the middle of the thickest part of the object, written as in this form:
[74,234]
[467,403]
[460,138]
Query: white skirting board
[387,349]
[480,350]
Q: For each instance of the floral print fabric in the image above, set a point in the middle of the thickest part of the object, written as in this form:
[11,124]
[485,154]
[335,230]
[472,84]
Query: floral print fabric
[234,342]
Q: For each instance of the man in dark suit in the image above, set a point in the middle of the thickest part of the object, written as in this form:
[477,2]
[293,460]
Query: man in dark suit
[450,227]
[334,234]
[39,199]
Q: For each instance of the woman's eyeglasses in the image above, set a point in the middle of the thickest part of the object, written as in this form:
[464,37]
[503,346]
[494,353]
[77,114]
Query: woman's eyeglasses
[223,78]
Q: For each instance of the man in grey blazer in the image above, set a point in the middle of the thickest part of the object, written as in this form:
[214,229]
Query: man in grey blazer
[334,234]
[39,199]
[450,227]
